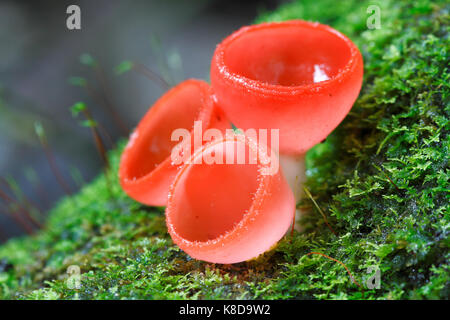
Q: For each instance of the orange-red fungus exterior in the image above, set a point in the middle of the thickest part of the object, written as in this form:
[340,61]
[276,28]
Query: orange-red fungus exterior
[146,170]
[297,76]
[230,212]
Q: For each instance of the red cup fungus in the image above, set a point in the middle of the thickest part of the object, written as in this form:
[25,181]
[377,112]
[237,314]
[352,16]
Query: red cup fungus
[296,76]
[146,169]
[229,212]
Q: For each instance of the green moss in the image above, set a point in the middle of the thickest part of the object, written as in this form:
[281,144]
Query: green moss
[381,178]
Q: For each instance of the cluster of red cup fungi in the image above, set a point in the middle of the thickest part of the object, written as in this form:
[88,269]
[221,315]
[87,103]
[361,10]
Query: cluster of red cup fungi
[296,76]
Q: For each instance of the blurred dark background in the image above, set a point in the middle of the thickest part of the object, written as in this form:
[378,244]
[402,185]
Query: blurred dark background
[41,73]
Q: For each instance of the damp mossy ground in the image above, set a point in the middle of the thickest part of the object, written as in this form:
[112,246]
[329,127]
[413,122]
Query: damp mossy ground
[381,178]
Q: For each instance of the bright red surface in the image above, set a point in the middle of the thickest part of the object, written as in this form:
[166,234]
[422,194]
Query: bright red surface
[228,213]
[267,76]
[146,170]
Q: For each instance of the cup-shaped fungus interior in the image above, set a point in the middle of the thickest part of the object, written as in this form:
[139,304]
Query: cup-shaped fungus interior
[212,198]
[178,110]
[288,55]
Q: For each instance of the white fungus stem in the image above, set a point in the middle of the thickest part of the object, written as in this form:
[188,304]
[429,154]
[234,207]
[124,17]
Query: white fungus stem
[294,170]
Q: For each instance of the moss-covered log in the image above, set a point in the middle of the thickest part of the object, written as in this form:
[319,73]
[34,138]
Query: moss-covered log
[381,179]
